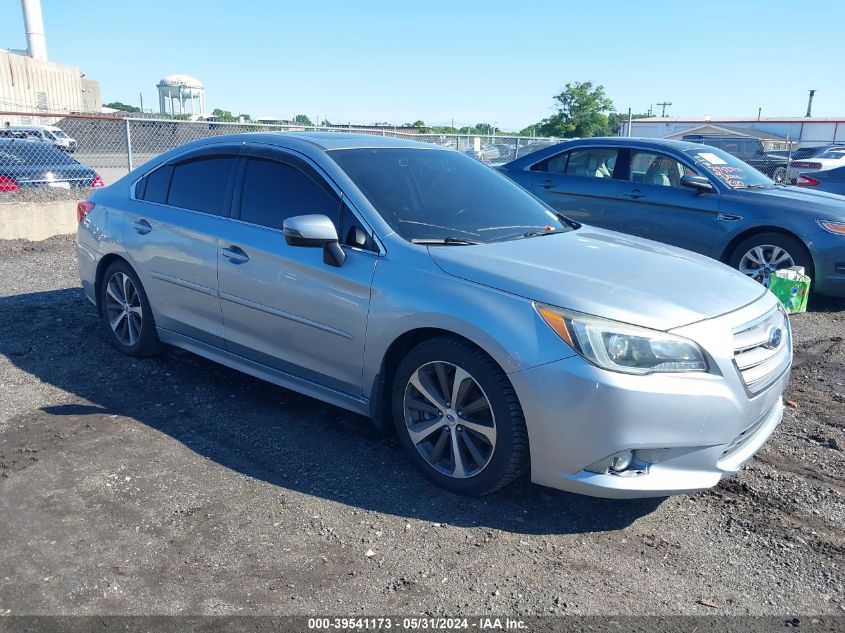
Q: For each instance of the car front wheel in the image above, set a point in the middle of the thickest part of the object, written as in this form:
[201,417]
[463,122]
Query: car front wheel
[458,417]
[761,255]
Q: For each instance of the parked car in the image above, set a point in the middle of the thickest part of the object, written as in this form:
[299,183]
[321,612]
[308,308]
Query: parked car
[801,153]
[47,133]
[749,150]
[26,163]
[696,197]
[823,162]
[420,287]
[830,180]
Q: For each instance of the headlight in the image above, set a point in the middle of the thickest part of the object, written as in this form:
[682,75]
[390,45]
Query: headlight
[622,347]
[833,227]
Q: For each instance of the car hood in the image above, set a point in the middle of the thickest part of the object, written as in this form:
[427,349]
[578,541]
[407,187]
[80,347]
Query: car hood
[809,200]
[606,274]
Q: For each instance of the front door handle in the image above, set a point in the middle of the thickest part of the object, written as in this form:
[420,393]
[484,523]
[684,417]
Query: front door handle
[636,194]
[142,227]
[547,184]
[235,254]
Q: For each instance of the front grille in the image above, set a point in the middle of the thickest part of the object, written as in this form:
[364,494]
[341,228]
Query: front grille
[761,355]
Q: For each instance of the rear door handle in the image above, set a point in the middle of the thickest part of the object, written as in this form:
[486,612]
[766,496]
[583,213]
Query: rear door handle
[547,184]
[636,194]
[142,227]
[235,254]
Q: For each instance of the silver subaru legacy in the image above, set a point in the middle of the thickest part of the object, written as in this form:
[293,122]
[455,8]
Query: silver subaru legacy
[414,285]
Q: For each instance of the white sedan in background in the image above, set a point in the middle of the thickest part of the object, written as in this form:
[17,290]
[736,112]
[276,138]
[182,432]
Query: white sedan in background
[831,159]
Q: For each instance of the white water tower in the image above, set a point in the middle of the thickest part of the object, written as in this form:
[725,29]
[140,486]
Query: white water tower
[178,89]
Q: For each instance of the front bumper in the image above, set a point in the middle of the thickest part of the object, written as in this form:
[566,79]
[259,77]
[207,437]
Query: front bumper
[828,251]
[688,430]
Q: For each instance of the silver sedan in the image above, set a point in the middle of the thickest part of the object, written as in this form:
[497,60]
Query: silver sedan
[416,286]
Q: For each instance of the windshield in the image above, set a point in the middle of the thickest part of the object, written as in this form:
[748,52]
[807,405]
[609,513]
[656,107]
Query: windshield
[58,134]
[436,194]
[32,153]
[729,169]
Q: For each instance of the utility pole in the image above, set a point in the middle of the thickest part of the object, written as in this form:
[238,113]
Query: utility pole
[664,104]
[759,112]
[141,95]
[810,103]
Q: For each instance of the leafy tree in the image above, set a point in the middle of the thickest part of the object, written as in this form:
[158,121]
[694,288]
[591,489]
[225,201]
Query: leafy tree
[245,117]
[117,105]
[418,123]
[302,119]
[182,117]
[223,115]
[582,111]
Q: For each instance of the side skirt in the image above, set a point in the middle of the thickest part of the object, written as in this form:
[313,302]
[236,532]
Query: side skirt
[356,404]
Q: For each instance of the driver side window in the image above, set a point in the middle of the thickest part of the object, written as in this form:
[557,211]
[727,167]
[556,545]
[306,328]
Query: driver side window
[652,168]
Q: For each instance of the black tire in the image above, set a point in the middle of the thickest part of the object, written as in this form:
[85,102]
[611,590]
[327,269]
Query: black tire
[510,454]
[147,343]
[794,247]
[779,174]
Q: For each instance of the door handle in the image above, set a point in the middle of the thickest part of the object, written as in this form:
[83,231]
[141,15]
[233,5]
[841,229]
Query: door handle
[142,227]
[235,255]
[636,194]
[547,184]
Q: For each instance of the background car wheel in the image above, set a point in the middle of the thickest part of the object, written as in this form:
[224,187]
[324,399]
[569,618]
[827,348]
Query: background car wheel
[762,254]
[779,174]
[458,417]
[127,312]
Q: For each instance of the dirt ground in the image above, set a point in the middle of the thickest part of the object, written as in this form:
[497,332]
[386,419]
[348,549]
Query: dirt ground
[173,485]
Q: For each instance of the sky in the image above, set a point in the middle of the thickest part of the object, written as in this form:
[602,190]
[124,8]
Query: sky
[466,61]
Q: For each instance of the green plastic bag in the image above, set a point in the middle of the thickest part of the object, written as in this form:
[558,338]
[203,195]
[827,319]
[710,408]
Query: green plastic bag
[792,287]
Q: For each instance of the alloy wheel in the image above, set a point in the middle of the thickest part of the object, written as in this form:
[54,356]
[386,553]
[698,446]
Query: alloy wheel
[123,309]
[450,419]
[762,261]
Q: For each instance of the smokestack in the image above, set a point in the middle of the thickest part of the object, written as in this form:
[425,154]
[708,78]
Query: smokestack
[810,103]
[36,43]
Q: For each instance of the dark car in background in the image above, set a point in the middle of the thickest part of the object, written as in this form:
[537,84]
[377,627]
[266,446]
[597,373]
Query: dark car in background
[749,150]
[26,163]
[830,180]
[696,197]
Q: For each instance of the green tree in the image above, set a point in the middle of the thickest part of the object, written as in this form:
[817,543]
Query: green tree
[117,105]
[223,115]
[582,110]
[302,119]
[418,123]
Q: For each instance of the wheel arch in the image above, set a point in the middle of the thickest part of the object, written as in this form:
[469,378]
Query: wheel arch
[102,267]
[380,405]
[766,228]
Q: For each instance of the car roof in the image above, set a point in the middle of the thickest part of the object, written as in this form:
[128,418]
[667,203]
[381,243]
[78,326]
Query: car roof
[343,140]
[630,141]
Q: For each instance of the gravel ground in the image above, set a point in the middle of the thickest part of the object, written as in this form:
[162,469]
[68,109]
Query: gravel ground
[173,485]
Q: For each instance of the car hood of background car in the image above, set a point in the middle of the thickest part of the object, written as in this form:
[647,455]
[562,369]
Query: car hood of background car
[799,199]
[606,274]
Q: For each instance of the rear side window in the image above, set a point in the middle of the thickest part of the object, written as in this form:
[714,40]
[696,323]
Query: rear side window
[202,184]
[274,191]
[593,162]
[155,186]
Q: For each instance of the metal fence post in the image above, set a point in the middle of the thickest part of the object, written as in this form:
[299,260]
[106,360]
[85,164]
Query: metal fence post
[128,145]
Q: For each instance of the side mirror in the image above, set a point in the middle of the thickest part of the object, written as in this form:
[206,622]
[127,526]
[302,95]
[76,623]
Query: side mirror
[315,231]
[699,183]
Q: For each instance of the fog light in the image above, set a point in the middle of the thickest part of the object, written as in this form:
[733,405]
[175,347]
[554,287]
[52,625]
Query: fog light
[620,461]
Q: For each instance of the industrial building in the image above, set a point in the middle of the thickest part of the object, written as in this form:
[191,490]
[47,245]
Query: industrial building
[30,83]
[807,130]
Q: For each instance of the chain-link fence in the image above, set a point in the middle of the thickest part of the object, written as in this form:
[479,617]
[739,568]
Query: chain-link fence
[74,153]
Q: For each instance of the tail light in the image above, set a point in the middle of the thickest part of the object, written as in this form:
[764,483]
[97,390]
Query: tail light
[84,208]
[7,184]
[806,181]
[97,183]
[802,164]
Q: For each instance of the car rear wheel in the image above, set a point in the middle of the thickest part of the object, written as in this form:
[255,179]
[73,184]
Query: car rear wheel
[124,305]
[458,417]
[779,175]
[761,255]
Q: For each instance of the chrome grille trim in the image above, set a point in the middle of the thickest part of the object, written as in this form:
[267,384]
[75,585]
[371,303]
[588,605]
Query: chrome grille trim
[758,363]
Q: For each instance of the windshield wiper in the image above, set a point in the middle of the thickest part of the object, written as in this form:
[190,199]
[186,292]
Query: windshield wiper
[445,241]
[540,233]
